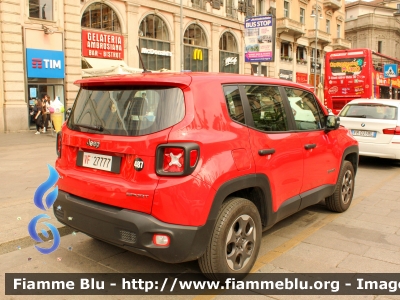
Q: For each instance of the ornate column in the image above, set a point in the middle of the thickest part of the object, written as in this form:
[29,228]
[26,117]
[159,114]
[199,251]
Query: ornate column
[132,34]
[13,105]
[72,49]
[214,47]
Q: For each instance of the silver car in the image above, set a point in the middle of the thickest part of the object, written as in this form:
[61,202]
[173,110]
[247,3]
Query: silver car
[375,124]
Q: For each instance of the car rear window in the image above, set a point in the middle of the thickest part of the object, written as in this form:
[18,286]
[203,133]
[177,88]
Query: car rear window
[370,111]
[128,112]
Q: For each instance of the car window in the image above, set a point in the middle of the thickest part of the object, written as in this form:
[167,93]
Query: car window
[234,103]
[370,110]
[306,111]
[266,107]
[129,112]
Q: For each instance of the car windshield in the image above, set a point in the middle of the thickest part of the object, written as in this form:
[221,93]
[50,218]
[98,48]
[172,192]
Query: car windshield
[129,112]
[370,111]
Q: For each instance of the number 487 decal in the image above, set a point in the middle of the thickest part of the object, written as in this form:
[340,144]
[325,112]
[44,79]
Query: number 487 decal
[139,164]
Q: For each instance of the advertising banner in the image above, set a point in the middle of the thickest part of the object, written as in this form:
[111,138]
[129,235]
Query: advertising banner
[102,45]
[44,63]
[301,77]
[260,39]
[286,74]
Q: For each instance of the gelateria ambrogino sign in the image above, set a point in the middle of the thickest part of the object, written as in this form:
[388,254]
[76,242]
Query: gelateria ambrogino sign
[102,45]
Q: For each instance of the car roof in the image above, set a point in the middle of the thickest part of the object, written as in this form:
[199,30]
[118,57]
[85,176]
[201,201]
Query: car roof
[376,101]
[184,78]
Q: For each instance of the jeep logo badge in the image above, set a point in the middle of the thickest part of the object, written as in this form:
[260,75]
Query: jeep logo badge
[93,144]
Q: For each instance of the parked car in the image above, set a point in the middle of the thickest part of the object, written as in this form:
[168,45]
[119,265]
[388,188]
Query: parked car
[200,167]
[375,124]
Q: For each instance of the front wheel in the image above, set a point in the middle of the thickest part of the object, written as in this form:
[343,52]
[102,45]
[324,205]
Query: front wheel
[341,199]
[235,242]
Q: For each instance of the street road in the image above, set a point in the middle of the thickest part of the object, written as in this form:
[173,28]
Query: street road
[366,238]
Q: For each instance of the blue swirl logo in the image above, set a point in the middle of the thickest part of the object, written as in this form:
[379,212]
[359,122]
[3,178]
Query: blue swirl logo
[50,199]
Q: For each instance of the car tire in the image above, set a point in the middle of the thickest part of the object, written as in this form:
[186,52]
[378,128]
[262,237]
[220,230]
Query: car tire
[341,199]
[235,242]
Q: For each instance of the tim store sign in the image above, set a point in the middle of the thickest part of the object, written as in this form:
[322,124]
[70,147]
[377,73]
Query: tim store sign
[44,63]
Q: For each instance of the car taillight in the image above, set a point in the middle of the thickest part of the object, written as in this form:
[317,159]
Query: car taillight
[59,143]
[173,160]
[395,131]
[177,159]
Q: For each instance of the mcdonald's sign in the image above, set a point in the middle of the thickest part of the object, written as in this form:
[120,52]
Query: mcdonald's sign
[197,54]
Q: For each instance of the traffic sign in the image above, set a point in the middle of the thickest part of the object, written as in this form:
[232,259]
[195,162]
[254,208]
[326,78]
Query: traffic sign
[390,70]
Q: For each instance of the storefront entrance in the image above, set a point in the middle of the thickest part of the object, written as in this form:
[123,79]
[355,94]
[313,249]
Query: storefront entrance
[37,90]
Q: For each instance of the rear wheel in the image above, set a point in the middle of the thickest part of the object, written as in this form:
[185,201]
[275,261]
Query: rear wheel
[235,242]
[341,199]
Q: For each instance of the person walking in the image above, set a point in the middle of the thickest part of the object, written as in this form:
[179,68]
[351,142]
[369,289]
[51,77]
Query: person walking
[45,111]
[37,115]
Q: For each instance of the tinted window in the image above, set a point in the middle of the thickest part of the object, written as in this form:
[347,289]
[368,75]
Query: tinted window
[372,111]
[306,111]
[234,103]
[130,112]
[267,108]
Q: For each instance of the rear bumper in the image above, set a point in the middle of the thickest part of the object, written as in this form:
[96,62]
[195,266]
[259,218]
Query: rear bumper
[132,230]
[380,150]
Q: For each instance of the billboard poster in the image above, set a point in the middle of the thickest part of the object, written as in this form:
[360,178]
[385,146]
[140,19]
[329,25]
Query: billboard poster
[259,39]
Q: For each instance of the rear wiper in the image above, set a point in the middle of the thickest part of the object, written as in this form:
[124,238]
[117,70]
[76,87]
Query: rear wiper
[95,127]
[356,116]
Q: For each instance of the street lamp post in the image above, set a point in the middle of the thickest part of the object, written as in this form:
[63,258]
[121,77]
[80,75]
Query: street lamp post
[316,16]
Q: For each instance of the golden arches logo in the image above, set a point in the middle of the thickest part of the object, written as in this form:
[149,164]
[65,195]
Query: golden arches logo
[197,54]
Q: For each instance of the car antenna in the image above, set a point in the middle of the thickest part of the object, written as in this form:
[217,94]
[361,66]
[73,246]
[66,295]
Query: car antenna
[141,60]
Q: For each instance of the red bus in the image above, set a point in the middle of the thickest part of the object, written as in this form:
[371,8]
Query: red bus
[357,73]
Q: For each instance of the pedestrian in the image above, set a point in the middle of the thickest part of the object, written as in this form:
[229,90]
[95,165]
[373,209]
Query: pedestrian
[37,115]
[45,111]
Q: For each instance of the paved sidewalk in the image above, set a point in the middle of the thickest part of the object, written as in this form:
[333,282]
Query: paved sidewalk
[24,157]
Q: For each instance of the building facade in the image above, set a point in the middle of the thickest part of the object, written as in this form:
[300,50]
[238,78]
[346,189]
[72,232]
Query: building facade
[45,44]
[374,25]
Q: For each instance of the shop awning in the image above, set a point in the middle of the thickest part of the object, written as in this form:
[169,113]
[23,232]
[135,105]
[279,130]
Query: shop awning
[99,63]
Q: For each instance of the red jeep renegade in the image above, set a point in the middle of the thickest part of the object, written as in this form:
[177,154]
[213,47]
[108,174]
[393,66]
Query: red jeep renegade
[186,166]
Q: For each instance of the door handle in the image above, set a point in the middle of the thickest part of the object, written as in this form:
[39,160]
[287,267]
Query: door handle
[263,152]
[310,146]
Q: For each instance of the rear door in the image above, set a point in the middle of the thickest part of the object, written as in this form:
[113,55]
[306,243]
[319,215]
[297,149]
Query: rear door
[321,156]
[110,143]
[276,151]
[368,121]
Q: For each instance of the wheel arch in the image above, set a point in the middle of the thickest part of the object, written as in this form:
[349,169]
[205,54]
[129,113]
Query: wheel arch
[254,187]
[351,154]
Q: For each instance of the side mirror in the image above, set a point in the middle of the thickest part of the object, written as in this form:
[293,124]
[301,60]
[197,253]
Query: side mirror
[68,113]
[332,122]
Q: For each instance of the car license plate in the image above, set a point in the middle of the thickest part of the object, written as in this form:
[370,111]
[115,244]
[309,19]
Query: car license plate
[363,133]
[98,161]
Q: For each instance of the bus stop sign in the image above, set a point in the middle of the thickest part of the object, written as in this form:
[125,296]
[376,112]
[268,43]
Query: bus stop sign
[390,70]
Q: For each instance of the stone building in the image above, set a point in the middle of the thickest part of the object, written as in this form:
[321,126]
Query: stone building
[374,25]
[46,44]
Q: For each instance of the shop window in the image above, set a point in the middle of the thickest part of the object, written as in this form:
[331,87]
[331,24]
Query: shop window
[153,27]
[41,9]
[285,50]
[195,52]
[228,54]
[154,35]
[100,16]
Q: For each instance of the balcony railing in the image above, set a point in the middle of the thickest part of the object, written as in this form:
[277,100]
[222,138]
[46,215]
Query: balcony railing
[340,44]
[332,4]
[290,26]
[323,37]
